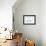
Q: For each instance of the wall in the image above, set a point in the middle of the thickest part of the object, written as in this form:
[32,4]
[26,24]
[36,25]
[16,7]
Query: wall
[43,22]
[28,7]
[6,13]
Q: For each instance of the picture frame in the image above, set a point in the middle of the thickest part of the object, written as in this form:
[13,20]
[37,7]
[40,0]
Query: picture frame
[29,19]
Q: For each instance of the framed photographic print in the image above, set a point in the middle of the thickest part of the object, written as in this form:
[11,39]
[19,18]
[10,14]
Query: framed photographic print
[29,19]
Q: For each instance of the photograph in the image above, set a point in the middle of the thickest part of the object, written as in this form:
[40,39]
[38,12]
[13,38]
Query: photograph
[29,19]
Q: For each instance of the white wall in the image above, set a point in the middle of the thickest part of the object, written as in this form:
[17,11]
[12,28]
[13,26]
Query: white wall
[43,22]
[36,32]
[28,7]
[6,13]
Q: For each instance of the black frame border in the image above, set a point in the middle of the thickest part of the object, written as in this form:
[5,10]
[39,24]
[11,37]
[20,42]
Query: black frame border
[31,23]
